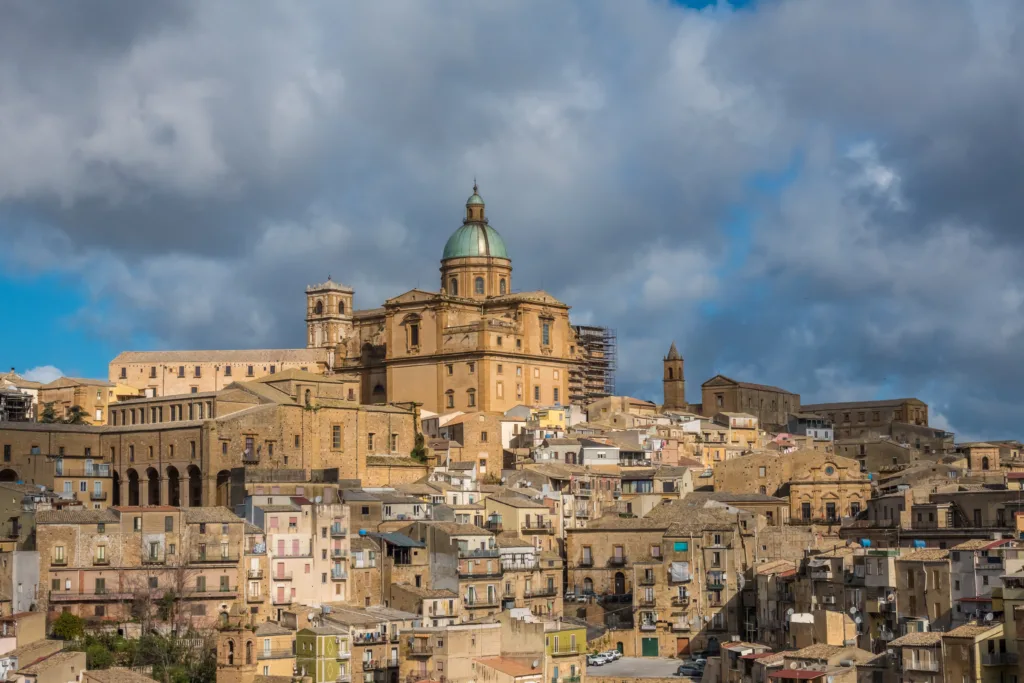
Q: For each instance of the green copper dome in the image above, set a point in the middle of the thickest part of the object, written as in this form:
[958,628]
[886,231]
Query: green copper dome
[474,199]
[475,239]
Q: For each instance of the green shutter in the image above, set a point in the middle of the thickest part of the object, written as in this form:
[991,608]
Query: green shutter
[681,546]
[650,647]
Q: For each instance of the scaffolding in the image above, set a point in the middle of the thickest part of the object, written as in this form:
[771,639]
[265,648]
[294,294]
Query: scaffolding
[593,377]
[15,406]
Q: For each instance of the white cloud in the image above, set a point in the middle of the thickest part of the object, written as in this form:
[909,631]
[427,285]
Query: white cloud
[43,373]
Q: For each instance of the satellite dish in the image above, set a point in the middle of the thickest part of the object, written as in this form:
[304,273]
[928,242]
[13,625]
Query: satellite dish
[989,616]
[891,597]
[858,620]
[535,664]
[853,610]
[318,500]
[790,612]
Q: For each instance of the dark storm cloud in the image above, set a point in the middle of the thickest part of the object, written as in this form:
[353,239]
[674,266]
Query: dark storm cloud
[195,165]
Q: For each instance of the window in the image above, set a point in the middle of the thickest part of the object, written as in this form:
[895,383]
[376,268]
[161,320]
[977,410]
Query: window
[131,451]
[478,285]
[499,367]
[762,471]
[453,287]
[519,371]
[168,523]
[450,369]
[273,369]
[249,372]
[224,448]
[499,389]
[414,335]
[483,437]
[471,397]
[181,371]
[199,371]
[545,334]
[7,452]
[318,308]
[335,437]
[297,441]
[536,393]
[555,394]
[472,367]
[500,340]
[449,397]
[227,370]
[124,373]
[502,287]
[137,524]
[394,443]
[369,441]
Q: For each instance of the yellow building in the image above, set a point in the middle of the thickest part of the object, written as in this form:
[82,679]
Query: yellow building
[474,345]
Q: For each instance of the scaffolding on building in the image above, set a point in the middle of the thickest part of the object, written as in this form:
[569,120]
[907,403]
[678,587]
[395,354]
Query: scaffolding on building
[593,377]
[15,406]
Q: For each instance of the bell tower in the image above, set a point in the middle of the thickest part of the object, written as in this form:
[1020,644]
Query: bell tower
[328,314]
[674,382]
[236,655]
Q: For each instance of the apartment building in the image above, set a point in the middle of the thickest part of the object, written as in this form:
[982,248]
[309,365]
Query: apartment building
[531,579]
[447,654]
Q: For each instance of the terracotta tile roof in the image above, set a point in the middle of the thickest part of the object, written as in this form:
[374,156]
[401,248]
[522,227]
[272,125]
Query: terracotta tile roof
[797,674]
[918,639]
[971,630]
[270,628]
[55,660]
[925,555]
[973,544]
[513,667]
[886,403]
[211,515]
[117,675]
[816,651]
[219,356]
[107,516]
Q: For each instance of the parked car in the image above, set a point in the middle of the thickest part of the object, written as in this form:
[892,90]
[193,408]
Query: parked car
[596,660]
[695,662]
[690,672]
[612,655]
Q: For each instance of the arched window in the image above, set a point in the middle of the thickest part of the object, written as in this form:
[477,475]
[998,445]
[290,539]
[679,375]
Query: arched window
[453,287]
[588,586]
[478,286]
[308,396]
[341,307]
[231,652]
[319,308]
[501,286]
[984,463]
[449,398]
[248,652]
[763,491]
[670,373]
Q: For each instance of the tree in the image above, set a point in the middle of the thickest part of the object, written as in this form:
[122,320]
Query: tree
[48,415]
[419,451]
[97,656]
[69,627]
[76,416]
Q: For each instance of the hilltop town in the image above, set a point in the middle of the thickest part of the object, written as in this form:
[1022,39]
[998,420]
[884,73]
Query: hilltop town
[448,488]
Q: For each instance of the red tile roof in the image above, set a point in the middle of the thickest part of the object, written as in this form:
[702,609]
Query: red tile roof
[798,674]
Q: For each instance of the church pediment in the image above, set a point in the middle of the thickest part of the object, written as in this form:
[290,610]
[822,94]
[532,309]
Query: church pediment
[720,381]
[411,297]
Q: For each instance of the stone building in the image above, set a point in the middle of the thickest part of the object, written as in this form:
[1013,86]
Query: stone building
[183,449]
[821,487]
[674,381]
[448,653]
[474,345]
[770,405]
[115,564]
[92,396]
[923,587]
[858,418]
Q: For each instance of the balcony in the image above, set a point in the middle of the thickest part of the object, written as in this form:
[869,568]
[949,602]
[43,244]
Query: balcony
[481,603]
[219,592]
[680,626]
[619,561]
[281,600]
[586,562]
[999,659]
[646,602]
[478,552]
[254,598]
[281,577]
[339,575]
[565,652]
[98,495]
[480,574]
[581,490]
[543,527]
[494,525]
[921,665]
[256,549]
[154,559]
[545,592]
[421,647]
[716,585]
[338,553]
[89,596]
[648,626]
[370,639]
[58,561]
[680,601]
[215,558]
[250,458]
[821,574]
[646,580]
[338,531]
[582,513]
[570,679]
[101,561]
[379,664]
[254,574]
[276,653]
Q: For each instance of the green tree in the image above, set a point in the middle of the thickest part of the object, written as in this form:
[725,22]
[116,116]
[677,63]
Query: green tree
[48,415]
[419,450]
[97,656]
[76,416]
[69,627]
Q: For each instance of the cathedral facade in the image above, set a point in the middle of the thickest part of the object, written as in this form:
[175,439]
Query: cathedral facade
[473,345]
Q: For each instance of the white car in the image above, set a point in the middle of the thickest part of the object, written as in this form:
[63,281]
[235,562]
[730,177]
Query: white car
[597,660]
[612,655]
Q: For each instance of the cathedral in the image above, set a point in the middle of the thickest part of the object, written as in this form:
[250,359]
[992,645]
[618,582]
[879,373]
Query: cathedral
[476,344]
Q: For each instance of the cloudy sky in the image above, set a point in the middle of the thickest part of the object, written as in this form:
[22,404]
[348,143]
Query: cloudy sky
[820,195]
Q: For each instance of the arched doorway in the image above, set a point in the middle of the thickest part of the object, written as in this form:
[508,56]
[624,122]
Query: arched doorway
[223,487]
[620,583]
[152,486]
[8,475]
[195,487]
[173,487]
[116,494]
[133,487]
